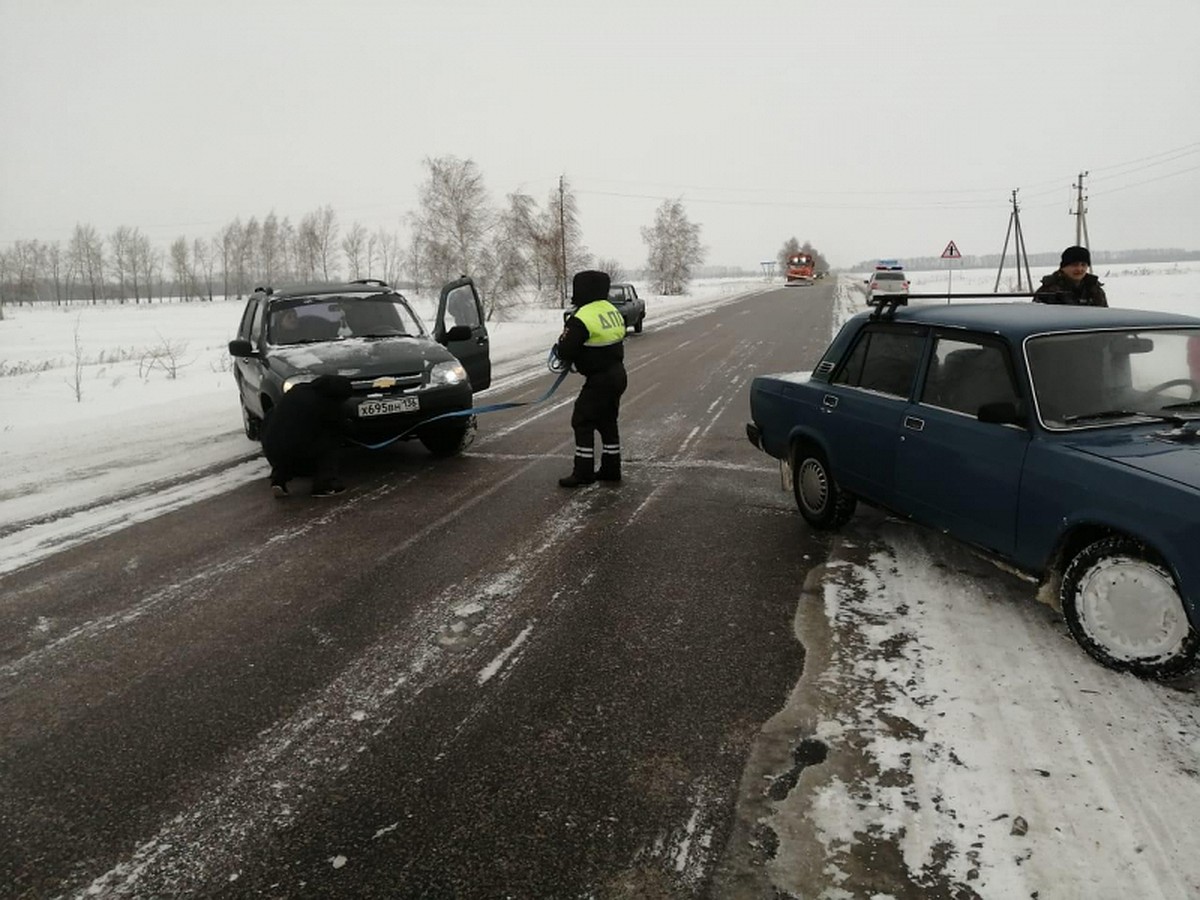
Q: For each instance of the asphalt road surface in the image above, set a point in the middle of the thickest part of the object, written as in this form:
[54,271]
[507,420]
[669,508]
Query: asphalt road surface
[456,680]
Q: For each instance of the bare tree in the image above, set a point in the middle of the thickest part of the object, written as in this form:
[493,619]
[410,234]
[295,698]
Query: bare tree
[385,256]
[145,260]
[508,256]
[288,266]
[325,232]
[613,268]
[244,253]
[76,382]
[119,243]
[27,260]
[674,248]
[229,237]
[308,249]
[6,268]
[204,260]
[453,219]
[55,268]
[270,254]
[86,255]
[181,267]
[561,244]
[354,245]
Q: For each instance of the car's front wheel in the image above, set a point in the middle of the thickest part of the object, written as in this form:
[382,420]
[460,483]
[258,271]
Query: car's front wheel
[1123,606]
[820,499]
[252,424]
[637,326]
[450,439]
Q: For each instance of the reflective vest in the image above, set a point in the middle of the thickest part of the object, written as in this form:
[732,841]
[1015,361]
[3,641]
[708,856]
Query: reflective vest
[604,323]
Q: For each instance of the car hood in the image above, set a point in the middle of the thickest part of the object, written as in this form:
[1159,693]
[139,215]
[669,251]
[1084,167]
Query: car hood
[360,357]
[1167,452]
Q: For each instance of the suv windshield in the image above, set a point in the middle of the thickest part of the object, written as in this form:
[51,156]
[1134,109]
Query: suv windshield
[1094,378]
[332,317]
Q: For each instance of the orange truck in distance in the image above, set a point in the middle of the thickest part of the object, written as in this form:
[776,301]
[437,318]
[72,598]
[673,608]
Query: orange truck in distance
[799,269]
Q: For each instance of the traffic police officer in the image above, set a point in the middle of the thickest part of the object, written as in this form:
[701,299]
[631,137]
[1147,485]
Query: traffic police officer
[593,342]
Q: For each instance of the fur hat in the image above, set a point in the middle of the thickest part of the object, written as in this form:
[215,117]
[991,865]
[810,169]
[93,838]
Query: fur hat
[1074,255]
[589,285]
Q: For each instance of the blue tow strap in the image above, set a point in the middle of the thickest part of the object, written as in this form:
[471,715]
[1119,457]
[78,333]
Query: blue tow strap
[474,411]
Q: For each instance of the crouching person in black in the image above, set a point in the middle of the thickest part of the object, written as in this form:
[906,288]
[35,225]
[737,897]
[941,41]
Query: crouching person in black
[303,435]
[593,342]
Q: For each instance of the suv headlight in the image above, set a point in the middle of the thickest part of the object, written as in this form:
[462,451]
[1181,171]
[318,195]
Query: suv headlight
[447,373]
[289,383]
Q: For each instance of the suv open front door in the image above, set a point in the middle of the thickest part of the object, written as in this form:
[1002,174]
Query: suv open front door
[460,306]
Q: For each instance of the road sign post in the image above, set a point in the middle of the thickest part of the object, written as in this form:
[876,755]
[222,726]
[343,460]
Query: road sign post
[950,253]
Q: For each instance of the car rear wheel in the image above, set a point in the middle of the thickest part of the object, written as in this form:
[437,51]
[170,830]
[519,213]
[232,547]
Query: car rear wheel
[451,439]
[1123,606]
[821,502]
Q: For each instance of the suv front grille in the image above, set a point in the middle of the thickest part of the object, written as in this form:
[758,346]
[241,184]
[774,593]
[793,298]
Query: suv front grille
[386,384]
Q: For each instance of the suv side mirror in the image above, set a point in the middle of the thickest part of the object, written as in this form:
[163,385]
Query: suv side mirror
[241,348]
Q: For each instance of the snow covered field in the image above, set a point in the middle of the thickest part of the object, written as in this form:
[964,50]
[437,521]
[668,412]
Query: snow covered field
[966,732]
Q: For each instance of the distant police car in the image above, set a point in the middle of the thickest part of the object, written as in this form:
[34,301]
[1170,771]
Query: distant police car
[402,374]
[1064,440]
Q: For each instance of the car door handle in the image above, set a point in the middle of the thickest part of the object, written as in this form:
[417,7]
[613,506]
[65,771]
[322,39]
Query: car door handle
[829,400]
[914,424]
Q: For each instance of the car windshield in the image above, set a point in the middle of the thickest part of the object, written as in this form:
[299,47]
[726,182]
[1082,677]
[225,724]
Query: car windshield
[889,276]
[1089,379]
[332,317]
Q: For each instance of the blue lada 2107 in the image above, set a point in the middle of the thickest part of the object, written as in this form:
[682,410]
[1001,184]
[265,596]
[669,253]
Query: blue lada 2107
[1064,440]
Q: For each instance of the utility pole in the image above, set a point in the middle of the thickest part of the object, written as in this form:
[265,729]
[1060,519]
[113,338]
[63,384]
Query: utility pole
[562,234]
[1014,231]
[1080,212]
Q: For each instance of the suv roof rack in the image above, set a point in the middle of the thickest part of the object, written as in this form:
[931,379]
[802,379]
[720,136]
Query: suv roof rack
[377,281]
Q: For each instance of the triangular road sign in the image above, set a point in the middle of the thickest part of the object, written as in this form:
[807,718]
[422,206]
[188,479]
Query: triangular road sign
[951,252]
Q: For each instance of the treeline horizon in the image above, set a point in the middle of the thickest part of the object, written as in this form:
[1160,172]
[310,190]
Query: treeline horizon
[507,249]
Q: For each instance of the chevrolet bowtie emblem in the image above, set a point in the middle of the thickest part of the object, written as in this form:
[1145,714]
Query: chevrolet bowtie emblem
[386,382]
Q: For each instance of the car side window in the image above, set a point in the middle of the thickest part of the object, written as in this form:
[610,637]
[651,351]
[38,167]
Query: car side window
[964,375]
[245,326]
[883,361]
[256,323]
[460,304]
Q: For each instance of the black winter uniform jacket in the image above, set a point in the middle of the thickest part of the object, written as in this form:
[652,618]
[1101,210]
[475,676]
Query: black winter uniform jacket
[1058,288]
[308,421]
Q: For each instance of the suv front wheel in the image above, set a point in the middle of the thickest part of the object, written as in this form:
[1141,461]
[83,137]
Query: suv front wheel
[449,439]
[252,424]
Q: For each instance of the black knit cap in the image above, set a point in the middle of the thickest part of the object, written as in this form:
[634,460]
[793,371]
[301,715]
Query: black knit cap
[589,285]
[1074,255]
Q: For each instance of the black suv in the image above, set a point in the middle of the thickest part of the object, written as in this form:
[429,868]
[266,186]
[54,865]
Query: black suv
[367,331]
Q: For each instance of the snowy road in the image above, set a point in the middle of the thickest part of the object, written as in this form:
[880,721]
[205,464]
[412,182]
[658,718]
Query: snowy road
[617,678]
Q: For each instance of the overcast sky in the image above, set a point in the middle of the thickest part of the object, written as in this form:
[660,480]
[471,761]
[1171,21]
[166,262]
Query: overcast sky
[871,128]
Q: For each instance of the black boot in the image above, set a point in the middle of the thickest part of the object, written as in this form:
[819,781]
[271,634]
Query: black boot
[582,473]
[610,467]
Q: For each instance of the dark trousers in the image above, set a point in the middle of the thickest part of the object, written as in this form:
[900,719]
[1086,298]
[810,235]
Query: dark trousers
[596,410]
[319,459]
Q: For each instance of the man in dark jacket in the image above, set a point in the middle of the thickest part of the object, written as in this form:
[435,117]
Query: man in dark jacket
[1072,284]
[593,342]
[303,435]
